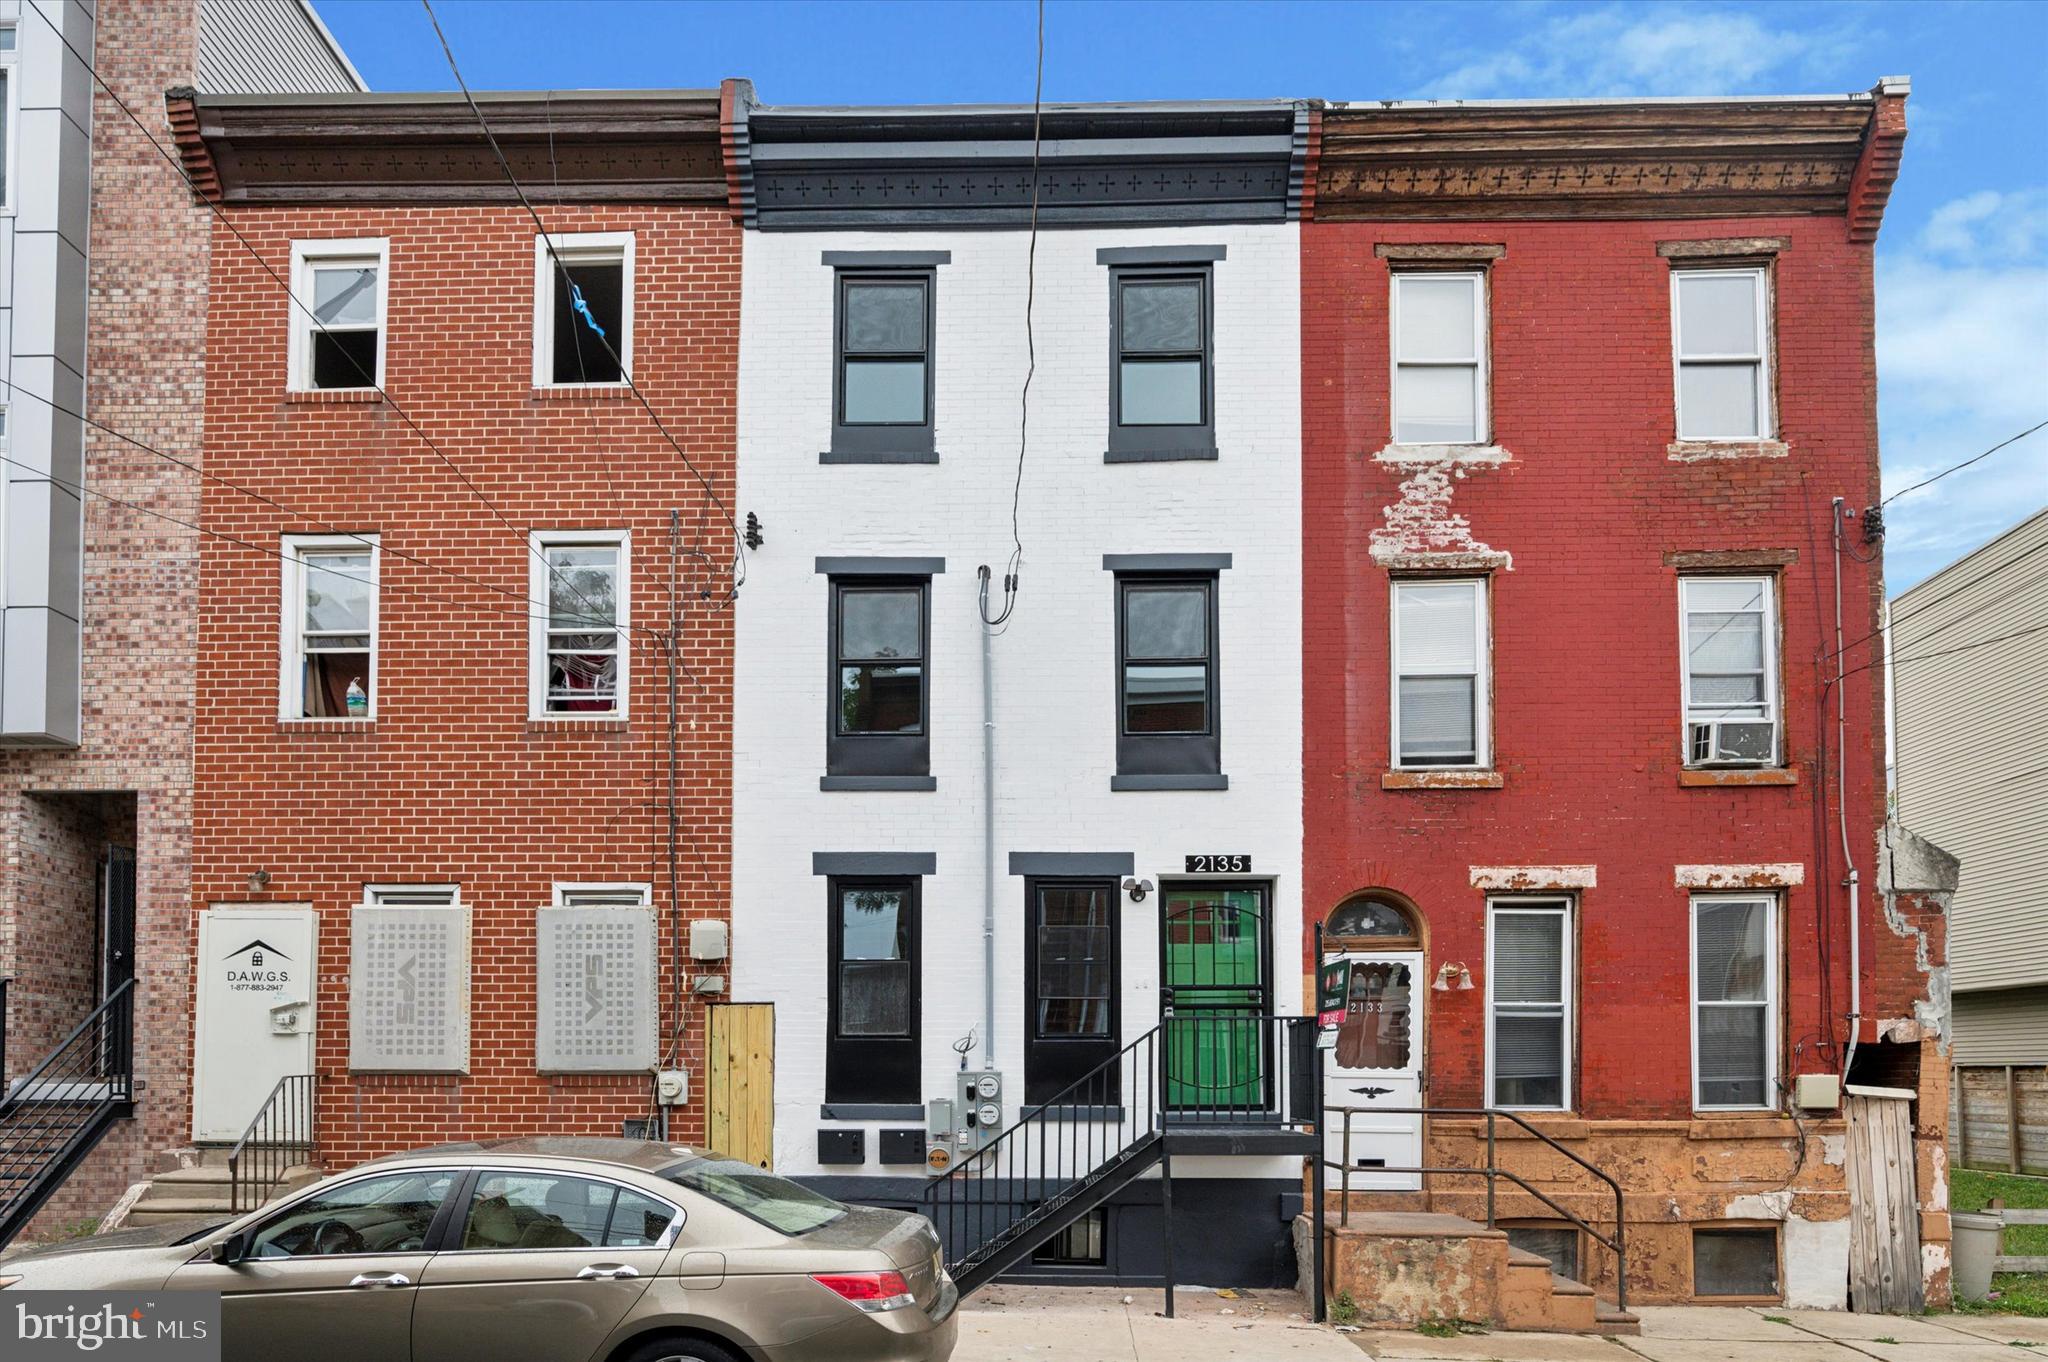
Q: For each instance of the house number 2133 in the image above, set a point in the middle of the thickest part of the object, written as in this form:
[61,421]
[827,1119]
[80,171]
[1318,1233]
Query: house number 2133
[1219,865]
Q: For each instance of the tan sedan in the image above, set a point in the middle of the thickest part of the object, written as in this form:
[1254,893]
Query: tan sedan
[543,1250]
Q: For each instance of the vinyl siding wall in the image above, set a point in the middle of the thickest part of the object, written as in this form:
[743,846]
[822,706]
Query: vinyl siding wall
[268,47]
[2002,1026]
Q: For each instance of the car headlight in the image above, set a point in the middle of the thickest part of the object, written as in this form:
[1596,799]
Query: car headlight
[8,1281]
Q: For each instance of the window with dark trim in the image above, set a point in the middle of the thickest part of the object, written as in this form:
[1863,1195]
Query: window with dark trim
[1070,971]
[1735,1261]
[1085,1243]
[871,1052]
[882,364]
[878,720]
[1162,380]
[1167,722]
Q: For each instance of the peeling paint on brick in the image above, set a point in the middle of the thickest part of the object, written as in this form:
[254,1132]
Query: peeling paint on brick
[1834,1150]
[1772,876]
[1422,523]
[1518,877]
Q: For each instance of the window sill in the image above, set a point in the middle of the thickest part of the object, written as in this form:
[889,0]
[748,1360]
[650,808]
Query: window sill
[1698,451]
[871,1111]
[1442,780]
[327,725]
[1702,778]
[579,392]
[1409,454]
[328,397]
[1191,782]
[873,456]
[876,783]
[608,723]
[1191,454]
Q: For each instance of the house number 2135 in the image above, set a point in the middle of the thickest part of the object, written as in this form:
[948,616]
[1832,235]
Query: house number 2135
[1219,865]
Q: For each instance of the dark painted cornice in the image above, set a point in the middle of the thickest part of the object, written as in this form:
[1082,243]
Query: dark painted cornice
[573,147]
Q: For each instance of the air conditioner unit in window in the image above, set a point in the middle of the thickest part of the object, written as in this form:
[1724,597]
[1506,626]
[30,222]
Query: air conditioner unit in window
[1734,742]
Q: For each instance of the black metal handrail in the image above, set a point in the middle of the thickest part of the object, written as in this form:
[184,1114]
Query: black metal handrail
[279,1138]
[51,1116]
[5,980]
[1492,1172]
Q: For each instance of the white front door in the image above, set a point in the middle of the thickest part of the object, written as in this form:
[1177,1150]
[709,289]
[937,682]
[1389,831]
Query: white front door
[1377,1067]
[255,1022]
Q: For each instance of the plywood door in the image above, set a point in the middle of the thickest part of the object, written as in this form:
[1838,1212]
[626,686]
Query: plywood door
[1884,1212]
[740,1083]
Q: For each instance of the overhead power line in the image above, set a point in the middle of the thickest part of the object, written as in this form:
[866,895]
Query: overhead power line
[1948,652]
[1964,464]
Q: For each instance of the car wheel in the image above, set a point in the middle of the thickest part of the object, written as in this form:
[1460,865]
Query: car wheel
[679,1350]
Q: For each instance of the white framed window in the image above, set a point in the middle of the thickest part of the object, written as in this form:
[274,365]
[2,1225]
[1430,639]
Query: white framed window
[412,896]
[602,895]
[10,112]
[580,654]
[1734,1002]
[328,628]
[582,309]
[1529,1003]
[1728,630]
[1441,676]
[1439,357]
[338,309]
[1720,340]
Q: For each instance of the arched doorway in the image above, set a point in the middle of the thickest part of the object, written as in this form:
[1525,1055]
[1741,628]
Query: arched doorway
[1376,1067]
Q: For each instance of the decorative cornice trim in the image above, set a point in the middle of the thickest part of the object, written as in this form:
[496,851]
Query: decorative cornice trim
[735,97]
[1877,169]
[181,113]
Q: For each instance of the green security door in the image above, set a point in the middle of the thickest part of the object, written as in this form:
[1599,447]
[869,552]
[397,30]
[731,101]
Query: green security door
[1215,978]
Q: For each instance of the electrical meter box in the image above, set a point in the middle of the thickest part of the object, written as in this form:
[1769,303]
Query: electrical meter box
[1817,1092]
[978,1106]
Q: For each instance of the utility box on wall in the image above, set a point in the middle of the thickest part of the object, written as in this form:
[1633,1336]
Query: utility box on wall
[978,1107]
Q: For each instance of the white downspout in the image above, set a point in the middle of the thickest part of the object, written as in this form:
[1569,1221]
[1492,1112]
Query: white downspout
[1842,812]
[988,843]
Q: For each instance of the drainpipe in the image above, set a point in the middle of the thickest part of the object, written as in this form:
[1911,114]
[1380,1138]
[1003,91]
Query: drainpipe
[1842,811]
[988,841]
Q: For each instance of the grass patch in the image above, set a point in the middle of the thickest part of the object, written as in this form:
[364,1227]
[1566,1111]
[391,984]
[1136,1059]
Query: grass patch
[1343,1310]
[2014,1293]
[1777,1319]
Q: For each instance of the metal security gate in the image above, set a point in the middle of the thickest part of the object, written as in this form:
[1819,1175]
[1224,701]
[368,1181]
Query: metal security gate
[1216,979]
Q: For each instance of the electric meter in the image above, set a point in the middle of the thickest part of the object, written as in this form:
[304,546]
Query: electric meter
[988,1085]
[990,1114]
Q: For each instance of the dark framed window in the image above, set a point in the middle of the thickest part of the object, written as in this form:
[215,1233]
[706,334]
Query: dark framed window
[871,1052]
[882,365]
[1167,721]
[1071,1022]
[878,724]
[1735,1261]
[1162,387]
[1085,1243]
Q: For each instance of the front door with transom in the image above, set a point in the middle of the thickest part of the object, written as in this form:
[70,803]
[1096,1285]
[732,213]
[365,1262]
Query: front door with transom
[1215,978]
[1377,1066]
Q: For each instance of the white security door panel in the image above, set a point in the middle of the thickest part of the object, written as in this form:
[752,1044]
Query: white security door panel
[255,1022]
[1377,1066]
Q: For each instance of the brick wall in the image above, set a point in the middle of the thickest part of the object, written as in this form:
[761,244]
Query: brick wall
[451,783]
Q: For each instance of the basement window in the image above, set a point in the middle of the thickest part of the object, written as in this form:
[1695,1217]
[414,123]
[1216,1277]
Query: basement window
[601,895]
[329,645]
[338,314]
[1084,1243]
[583,309]
[1558,1243]
[1735,1262]
[579,664]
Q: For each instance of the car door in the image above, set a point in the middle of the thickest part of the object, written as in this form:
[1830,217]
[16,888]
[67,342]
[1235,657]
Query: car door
[331,1277]
[541,1266]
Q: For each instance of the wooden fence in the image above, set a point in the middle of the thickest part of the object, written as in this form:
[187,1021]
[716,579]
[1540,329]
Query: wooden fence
[1998,1118]
[2017,1262]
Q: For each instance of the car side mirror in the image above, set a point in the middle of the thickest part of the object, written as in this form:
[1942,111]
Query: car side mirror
[231,1250]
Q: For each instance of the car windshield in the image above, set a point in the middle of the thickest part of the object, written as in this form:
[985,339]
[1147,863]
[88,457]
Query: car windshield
[776,1202]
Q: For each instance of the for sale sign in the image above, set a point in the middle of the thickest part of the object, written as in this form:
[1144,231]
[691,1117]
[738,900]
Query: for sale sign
[1333,987]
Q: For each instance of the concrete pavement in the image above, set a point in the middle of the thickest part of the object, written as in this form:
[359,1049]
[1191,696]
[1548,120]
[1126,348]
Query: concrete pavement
[1063,1324]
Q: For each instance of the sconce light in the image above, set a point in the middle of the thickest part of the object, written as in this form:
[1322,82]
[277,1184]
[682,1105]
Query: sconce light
[1137,888]
[259,880]
[1446,972]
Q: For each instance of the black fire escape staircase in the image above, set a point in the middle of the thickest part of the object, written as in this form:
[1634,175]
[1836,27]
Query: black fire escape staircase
[1217,1082]
[53,1116]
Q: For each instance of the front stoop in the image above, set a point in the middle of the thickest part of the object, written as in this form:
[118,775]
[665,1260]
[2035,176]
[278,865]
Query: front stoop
[200,1189]
[1405,1267]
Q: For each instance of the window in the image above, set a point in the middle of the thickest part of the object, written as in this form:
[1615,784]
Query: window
[8,115]
[1731,682]
[1071,991]
[337,314]
[579,667]
[601,895]
[583,308]
[1439,334]
[1734,970]
[882,386]
[1167,693]
[783,1206]
[388,1214]
[1162,390]
[1528,1003]
[1735,1262]
[1081,1244]
[879,687]
[329,636]
[1720,335]
[1558,1243]
[539,1210]
[1441,680]
[873,1025]
[1371,917]
[411,895]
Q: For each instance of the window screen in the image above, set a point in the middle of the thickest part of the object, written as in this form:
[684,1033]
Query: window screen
[1735,1262]
[1528,995]
[1439,358]
[1439,657]
[1719,333]
[1733,982]
[588,316]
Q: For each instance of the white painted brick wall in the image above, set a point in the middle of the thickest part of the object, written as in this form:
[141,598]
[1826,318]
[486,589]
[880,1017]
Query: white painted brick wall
[1054,667]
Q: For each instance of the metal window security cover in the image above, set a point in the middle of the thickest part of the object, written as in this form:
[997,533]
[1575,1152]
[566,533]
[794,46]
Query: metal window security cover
[596,1005]
[410,1008]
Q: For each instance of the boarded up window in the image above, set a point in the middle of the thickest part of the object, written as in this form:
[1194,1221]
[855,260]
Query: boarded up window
[596,982]
[409,999]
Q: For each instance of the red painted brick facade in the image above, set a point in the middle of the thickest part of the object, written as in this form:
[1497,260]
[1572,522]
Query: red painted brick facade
[452,783]
[1586,654]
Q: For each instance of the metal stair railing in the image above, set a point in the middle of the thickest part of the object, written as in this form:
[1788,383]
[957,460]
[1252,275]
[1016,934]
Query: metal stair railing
[279,1138]
[1616,1244]
[52,1116]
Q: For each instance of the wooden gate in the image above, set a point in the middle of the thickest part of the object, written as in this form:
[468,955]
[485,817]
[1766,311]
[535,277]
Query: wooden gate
[739,1081]
[1884,1208]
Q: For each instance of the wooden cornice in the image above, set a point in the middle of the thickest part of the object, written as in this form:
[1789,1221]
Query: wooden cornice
[1592,160]
[654,147]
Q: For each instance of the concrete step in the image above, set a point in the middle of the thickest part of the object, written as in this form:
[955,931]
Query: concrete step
[198,1175]
[155,1212]
[1611,1320]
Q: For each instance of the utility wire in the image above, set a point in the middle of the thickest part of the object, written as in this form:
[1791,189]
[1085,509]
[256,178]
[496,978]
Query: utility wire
[369,378]
[739,569]
[1924,606]
[1949,652]
[1964,464]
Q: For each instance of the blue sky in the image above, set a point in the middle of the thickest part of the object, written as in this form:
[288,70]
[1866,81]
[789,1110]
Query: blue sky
[1962,262]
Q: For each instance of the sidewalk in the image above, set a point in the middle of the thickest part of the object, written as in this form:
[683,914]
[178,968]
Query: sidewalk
[1075,1324]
